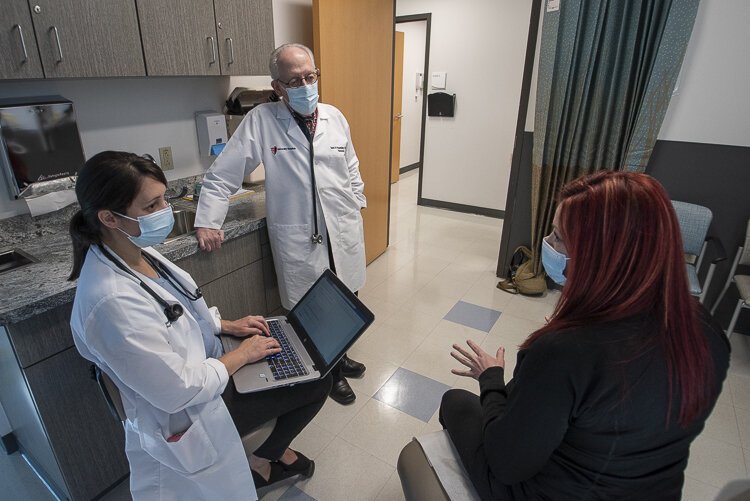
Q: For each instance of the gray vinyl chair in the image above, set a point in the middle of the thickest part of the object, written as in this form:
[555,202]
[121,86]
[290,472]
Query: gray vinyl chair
[111,394]
[418,479]
[742,258]
[694,223]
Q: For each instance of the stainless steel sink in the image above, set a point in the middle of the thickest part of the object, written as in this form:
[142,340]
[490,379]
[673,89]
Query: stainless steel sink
[14,259]
[183,223]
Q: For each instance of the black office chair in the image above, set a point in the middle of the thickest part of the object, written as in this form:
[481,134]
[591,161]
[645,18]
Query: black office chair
[111,394]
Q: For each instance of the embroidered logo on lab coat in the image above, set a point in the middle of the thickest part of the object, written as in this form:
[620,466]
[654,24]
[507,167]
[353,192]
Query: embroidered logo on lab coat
[339,149]
[276,149]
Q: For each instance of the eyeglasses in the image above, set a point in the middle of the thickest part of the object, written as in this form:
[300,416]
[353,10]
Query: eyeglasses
[306,80]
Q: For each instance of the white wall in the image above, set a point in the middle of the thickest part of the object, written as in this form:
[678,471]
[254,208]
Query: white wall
[481,45]
[143,114]
[712,103]
[415,34]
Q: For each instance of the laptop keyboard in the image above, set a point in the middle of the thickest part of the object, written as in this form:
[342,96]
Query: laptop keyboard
[285,364]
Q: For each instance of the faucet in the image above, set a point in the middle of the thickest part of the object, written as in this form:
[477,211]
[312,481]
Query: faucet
[181,194]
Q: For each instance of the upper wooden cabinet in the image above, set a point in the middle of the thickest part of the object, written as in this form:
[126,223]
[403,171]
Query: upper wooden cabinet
[19,56]
[179,37]
[88,38]
[123,38]
[245,35]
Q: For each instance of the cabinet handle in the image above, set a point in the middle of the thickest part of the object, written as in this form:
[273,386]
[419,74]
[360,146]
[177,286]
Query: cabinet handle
[231,50]
[23,43]
[59,47]
[213,50]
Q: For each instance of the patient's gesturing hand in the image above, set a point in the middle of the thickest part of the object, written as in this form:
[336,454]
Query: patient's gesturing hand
[478,361]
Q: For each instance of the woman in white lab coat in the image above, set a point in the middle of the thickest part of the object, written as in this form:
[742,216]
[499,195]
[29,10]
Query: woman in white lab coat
[143,321]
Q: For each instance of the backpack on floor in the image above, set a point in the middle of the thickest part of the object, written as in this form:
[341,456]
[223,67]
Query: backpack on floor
[521,278]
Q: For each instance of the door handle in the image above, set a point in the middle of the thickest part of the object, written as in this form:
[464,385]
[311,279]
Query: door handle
[213,49]
[230,43]
[59,46]
[23,43]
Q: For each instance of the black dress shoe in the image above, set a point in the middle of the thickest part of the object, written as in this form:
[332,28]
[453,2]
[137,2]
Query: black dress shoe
[342,393]
[303,465]
[351,368]
[278,473]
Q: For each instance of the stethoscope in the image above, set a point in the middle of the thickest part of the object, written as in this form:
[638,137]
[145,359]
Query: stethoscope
[316,237]
[171,311]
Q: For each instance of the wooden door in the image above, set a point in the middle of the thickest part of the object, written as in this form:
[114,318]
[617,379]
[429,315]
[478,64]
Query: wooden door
[245,36]
[354,51]
[398,82]
[19,56]
[179,37]
[88,38]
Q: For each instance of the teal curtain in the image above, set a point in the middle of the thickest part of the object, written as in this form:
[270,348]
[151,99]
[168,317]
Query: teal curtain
[607,69]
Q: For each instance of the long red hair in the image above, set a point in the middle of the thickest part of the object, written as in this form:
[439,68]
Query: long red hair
[626,259]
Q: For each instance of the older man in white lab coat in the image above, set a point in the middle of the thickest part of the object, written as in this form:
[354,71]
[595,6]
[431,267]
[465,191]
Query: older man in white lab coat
[314,192]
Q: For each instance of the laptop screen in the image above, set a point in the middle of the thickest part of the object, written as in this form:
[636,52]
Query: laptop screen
[331,317]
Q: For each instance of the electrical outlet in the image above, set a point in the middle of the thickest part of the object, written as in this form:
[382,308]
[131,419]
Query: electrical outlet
[165,156]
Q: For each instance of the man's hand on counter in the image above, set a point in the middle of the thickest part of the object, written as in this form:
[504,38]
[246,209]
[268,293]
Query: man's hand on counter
[251,325]
[209,239]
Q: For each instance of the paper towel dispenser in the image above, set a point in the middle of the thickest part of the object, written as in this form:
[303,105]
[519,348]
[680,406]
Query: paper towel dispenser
[441,104]
[39,141]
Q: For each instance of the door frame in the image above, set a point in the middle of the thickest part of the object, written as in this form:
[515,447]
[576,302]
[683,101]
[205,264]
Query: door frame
[409,19]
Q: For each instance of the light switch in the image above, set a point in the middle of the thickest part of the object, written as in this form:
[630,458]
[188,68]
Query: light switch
[437,80]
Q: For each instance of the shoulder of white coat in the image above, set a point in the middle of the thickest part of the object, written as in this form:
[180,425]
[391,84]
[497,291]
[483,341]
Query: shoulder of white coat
[329,111]
[98,280]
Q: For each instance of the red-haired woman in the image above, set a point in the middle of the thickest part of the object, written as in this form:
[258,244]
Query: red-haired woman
[606,397]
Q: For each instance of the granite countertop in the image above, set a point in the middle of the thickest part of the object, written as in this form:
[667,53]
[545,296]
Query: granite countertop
[42,286]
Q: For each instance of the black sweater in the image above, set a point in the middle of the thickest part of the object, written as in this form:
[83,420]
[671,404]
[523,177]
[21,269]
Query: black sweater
[585,416]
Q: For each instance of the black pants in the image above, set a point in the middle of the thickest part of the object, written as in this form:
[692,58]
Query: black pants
[292,406]
[461,416]
[336,371]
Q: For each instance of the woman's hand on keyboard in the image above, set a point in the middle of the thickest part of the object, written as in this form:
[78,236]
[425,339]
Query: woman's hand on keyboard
[250,325]
[258,347]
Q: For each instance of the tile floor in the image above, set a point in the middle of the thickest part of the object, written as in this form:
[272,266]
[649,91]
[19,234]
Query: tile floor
[435,286]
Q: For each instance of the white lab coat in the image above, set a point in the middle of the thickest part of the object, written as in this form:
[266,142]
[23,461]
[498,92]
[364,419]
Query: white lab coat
[167,385]
[269,134]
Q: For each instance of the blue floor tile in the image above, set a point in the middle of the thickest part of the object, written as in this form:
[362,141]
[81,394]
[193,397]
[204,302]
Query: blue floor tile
[295,494]
[412,393]
[471,315]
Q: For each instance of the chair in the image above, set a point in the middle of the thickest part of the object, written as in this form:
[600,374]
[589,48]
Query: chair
[694,222]
[742,258]
[418,479]
[250,442]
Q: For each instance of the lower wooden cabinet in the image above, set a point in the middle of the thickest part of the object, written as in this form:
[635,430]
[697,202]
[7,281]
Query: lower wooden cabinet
[56,409]
[239,293]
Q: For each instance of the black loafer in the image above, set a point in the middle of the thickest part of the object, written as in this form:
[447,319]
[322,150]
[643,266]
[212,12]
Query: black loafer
[351,368]
[342,393]
[303,466]
[278,473]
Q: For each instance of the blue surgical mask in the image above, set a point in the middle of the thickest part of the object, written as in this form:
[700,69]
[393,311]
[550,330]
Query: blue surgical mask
[154,227]
[554,262]
[303,99]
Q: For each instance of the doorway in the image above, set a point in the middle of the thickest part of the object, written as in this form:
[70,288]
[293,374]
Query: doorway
[409,121]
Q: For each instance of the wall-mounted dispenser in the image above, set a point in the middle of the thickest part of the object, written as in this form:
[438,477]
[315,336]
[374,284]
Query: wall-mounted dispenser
[212,132]
[39,144]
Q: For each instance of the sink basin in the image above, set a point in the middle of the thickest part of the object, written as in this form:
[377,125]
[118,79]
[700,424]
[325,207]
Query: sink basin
[14,259]
[183,223]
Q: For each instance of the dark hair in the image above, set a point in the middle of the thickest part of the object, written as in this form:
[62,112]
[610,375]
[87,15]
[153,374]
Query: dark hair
[109,180]
[626,259]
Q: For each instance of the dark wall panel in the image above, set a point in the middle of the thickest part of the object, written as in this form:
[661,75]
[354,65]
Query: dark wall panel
[712,175]
[718,177]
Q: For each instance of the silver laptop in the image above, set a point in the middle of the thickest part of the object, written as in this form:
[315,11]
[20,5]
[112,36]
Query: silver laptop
[314,336]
